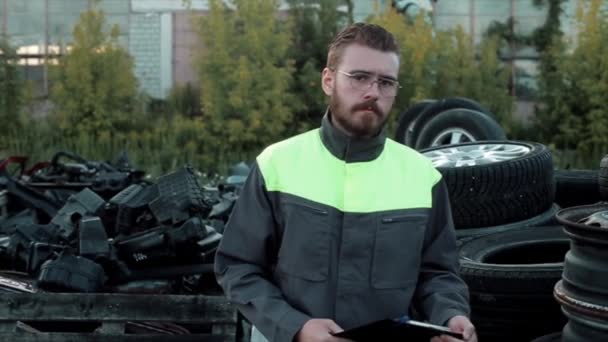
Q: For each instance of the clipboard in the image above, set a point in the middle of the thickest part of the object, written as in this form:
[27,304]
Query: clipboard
[397,330]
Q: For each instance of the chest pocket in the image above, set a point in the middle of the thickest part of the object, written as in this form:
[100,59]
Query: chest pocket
[304,251]
[397,250]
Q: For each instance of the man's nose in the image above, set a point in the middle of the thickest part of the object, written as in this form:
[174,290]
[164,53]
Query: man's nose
[373,92]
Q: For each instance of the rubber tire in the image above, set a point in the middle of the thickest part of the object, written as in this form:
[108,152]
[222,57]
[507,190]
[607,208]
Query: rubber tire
[576,187]
[406,118]
[545,219]
[440,106]
[503,192]
[602,179]
[513,300]
[481,126]
[554,337]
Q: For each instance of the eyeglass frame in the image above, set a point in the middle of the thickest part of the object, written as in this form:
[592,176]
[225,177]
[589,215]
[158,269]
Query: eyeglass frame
[378,78]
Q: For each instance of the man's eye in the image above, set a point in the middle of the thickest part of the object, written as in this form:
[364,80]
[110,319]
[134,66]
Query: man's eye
[387,83]
[361,77]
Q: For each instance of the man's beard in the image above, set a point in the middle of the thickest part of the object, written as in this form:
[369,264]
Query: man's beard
[344,117]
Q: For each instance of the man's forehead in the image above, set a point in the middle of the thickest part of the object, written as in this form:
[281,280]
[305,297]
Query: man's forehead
[357,57]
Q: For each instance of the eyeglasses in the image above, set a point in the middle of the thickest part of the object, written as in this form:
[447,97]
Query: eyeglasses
[363,81]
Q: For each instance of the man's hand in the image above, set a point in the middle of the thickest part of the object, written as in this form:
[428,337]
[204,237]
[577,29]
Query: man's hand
[459,324]
[319,330]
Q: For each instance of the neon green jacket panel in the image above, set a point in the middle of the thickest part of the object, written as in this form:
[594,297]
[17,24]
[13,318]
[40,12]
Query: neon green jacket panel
[303,167]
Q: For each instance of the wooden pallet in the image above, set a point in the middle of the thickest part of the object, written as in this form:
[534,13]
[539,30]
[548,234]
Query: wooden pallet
[113,311]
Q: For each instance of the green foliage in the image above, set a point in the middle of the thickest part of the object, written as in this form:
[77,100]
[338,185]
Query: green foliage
[543,37]
[12,89]
[491,85]
[507,34]
[417,47]
[95,88]
[446,63]
[245,77]
[462,69]
[316,22]
[574,114]
[185,100]
[157,148]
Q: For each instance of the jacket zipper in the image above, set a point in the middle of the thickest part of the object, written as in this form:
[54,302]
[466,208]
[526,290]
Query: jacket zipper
[340,230]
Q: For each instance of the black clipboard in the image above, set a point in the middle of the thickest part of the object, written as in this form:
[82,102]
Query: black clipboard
[396,330]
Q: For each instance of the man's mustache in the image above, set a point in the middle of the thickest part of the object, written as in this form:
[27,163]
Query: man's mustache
[368,105]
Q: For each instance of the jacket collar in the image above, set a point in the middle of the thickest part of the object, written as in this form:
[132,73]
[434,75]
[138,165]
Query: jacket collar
[350,149]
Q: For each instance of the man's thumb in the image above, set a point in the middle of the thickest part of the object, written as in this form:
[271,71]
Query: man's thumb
[468,332]
[333,327]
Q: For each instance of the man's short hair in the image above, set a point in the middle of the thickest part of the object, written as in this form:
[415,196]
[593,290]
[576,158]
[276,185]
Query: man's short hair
[369,35]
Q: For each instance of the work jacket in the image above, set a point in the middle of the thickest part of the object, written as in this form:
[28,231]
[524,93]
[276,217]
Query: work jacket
[329,226]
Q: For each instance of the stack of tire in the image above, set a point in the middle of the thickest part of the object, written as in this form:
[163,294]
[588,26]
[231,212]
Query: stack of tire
[455,120]
[502,198]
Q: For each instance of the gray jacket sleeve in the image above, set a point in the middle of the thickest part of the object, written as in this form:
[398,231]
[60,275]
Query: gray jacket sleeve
[244,261]
[440,294]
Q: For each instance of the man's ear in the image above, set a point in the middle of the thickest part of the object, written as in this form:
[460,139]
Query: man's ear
[327,81]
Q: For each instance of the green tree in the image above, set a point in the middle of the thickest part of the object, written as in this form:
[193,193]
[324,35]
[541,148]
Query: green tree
[95,88]
[11,88]
[185,100]
[542,38]
[574,114]
[492,87]
[476,72]
[416,45]
[315,23]
[245,76]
